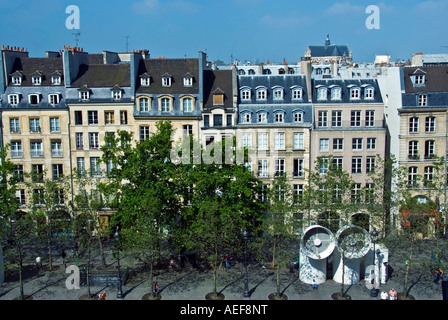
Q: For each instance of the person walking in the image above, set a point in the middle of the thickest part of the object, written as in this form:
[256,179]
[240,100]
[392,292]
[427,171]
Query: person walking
[314,285]
[226,261]
[156,289]
[384,295]
[393,295]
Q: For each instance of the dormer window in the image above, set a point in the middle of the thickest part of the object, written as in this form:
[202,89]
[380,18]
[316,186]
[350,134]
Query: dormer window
[368,93]
[336,93]
[279,117]
[245,94]
[355,93]
[144,82]
[166,81]
[34,99]
[13,99]
[84,93]
[53,99]
[261,94]
[16,80]
[422,100]
[419,79]
[297,94]
[36,80]
[188,81]
[298,117]
[116,93]
[262,117]
[278,94]
[322,93]
[55,80]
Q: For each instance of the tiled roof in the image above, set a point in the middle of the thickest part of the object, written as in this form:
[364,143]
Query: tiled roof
[175,68]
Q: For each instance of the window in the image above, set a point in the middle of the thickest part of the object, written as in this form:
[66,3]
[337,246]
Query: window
[16,149]
[371,143]
[412,176]
[419,79]
[298,141]
[246,140]
[323,165]
[428,176]
[357,143]
[116,94]
[37,173]
[187,104]
[13,99]
[245,94]
[430,124]
[94,140]
[92,117]
[229,120]
[145,81]
[20,196]
[322,94]
[297,94]
[109,166]
[36,80]
[109,117]
[14,125]
[34,99]
[370,118]
[143,104]
[262,117]
[279,167]
[206,121]
[261,94]
[278,94]
[262,168]
[218,99]
[108,137]
[370,192]
[368,93]
[356,165]
[34,125]
[356,193]
[144,133]
[53,99]
[81,165]
[217,120]
[84,95]
[336,94]
[209,140]
[324,144]
[56,148]
[298,117]
[355,93]
[55,80]
[246,117]
[338,144]
[57,171]
[279,117]
[78,117]
[18,173]
[355,119]
[95,169]
[430,149]
[38,196]
[123,117]
[322,119]
[279,141]
[297,193]
[16,80]
[54,125]
[188,81]
[336,118]
[262,141]
[413,150]
[413,125]
[59,197]
[422,100]
[166,82]
[298,168]
[165,104]
[79,140]
[338,163]
[370,164]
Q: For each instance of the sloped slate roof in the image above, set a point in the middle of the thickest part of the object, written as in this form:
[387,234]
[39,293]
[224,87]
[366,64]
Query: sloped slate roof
[329,50]
[218,81]
[176,68]
[436,79]
[103,76]
[345,85]
[29,67]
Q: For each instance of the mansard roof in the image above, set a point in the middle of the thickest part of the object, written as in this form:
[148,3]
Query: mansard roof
[346,85]
[27,67]
[436,79]
[218,81]
[103,76]
[177,69]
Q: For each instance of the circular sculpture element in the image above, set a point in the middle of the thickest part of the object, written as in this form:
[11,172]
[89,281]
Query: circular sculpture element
[317,242]
[353,241]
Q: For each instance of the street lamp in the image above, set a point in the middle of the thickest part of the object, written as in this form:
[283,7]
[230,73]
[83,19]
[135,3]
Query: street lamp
[119,285]
[374,291]
[246,279]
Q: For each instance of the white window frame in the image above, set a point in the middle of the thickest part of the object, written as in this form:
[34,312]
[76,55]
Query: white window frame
[53,99]
[279,141]
[166,81]
[246,140]
[55,80]
[36,80]
[188,81]
[263,141]
[116,94]
[324,144]
[262,117]
[16,80]
[298,141]
[13,99]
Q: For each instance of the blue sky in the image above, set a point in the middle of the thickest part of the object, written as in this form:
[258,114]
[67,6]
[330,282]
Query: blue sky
[248,30]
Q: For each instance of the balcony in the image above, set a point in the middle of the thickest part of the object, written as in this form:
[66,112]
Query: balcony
[414,157]
[37,154]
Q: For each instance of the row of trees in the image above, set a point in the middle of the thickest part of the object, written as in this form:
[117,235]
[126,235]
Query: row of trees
[163,207]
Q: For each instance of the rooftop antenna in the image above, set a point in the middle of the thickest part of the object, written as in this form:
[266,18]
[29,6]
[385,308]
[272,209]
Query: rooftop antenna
[127,43]
[77,35]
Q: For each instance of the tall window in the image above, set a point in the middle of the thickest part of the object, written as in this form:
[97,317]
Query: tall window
[279,117]
[37,173]
[298,116]
[263,168]
[13,99]
[165,105]
[336,93]
[370,118]
[323,165]
[428,176]
[279,167]
[430,124]
[78,117]
[338,143]
[144,133]
[246,117]
[412,176]
[143,104]
[56,148]
[297,94]
[80,165]
[95,166]
[370,164]
[413,125]
[109,117]
[16,149]
[357,143]
[246,140]
[356,193]
[262,141]
[336,118]
[297,193]
[262,117]
[324,144]
[14,125]
[245,94]
[413,150]
[298,143]
[355,93]
[57,171]
[430,149]
[123,117]
[92,117]
[355,119]
[94,140]
[187,129]
[35,125]
[371,143]
[54,125]
[278,94]
[36,149]
[357,165]
[79,137]
[322,94]
[53,99]
[18,174]
[368,93]
[187,104]
[298,168]
[261,94]
[422,100]
[217,120]
[322,119]
[279,141]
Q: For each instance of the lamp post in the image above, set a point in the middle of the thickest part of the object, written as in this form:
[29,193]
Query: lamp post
[246,279]
[119,285]
[374,291]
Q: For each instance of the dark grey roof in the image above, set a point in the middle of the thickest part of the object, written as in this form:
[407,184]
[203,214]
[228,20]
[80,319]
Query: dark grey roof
[218,81]
[345,85]
[329,51]
[176,68]
[45,67]
[103,76]
[436,79]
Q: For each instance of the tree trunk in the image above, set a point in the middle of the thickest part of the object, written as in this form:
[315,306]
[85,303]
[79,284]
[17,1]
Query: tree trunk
[50,253]
[408,268]
[21,273]
[103,258]
[88,272]
[278,280]
[343,273]
[215,271]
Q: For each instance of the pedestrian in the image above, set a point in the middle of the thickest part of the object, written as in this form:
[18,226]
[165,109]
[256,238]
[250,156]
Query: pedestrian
[102,296]
[384,295]
[171,262]
[314,285]
[64,255]
[156,289]
[226,261]
[393,295]
[38,263]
